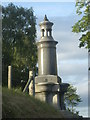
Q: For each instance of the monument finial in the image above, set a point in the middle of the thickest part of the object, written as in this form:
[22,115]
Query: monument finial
[45,18]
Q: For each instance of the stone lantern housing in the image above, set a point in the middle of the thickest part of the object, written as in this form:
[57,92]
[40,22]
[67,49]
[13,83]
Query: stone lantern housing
[48,85]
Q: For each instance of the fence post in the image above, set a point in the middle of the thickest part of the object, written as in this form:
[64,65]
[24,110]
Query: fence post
[9,77]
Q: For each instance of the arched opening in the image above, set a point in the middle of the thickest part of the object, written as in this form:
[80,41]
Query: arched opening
[49,32]
[42,33]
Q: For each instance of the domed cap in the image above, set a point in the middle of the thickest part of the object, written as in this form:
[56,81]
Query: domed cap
[46,23]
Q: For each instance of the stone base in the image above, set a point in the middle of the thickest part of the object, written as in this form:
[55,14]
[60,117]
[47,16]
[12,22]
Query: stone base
[48,92]
[49,89]
[47,78]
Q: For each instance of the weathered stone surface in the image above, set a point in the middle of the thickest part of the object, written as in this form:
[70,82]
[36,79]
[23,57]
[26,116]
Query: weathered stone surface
[44,87]
[47,87]
[49,92]
[47,78]
[41,96]
[49,97]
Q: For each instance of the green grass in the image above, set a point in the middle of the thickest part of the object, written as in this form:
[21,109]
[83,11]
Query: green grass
[16,104]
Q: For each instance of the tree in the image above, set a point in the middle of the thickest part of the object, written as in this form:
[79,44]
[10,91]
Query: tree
[18,39]
[82,26]
[71,99]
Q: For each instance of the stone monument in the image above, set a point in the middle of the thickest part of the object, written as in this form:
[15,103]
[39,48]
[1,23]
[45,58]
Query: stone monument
[48,85]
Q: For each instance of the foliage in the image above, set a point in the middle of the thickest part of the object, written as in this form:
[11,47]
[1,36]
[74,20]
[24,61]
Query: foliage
[71,99]
[82,26]
[18,39]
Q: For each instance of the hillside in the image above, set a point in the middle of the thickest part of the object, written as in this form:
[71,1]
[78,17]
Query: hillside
[16,104]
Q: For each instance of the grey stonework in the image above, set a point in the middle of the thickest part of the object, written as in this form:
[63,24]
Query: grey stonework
[48,85]
[47,78]
[47,62]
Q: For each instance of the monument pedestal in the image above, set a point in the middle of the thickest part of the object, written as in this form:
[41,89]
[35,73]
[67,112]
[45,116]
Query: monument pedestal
[48,89]
[48,92]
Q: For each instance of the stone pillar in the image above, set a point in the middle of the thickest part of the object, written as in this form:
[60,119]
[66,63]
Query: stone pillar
[63,89]
[62,101]
[9,77]
[32,84]
[47,62]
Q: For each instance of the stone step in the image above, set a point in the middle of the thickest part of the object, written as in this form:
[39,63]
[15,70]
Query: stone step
[68,114]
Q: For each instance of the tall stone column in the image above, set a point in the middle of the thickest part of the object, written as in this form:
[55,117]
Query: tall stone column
[46,83]
[47,62]
[9,77]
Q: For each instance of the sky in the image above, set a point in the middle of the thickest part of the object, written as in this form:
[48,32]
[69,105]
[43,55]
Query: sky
[72,61]
[38,1]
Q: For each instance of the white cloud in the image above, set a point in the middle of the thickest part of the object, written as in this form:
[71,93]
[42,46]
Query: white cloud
[82,88]
[73,69]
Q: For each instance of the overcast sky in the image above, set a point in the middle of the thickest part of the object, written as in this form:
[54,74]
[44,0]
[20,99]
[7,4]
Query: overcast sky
[72,62]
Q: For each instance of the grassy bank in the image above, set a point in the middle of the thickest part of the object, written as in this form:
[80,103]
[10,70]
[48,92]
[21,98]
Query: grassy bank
[16,104]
